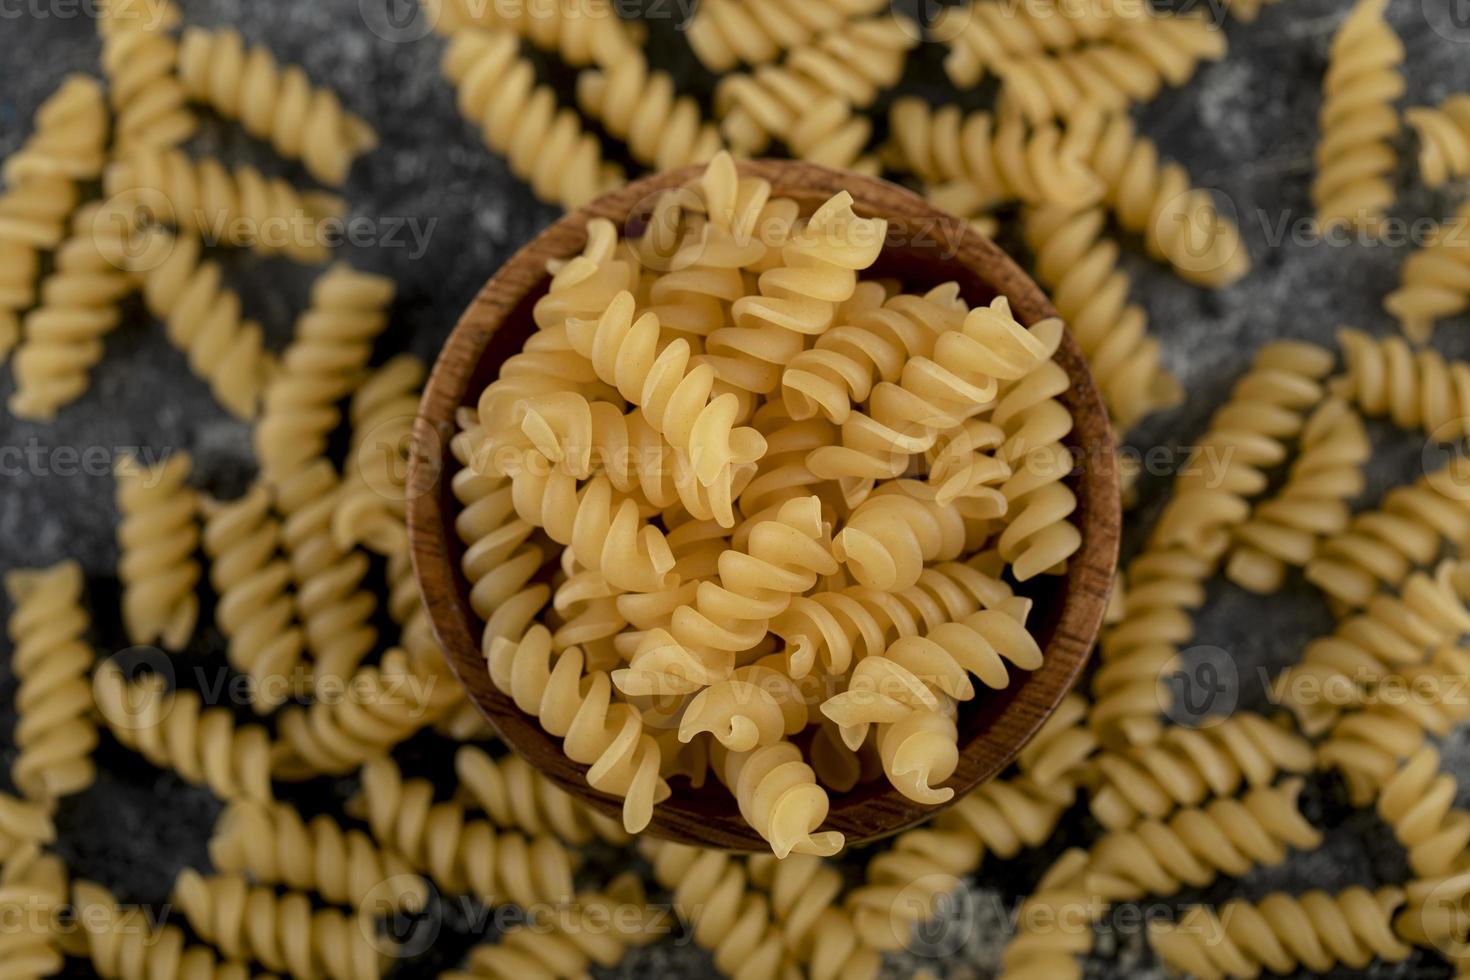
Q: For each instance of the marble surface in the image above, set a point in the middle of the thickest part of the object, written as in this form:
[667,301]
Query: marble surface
[445,213]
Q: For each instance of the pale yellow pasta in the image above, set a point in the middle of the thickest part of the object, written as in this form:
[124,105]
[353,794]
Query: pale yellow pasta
[374,498]
[62,338]
[273,102]
[984,35]
[158,538]
[50,657]
[1416,390]
[1419,804]
[459,854]
[324,362]
[642,107]
[173,730]
[123,945]
[1435,280]
[1080,265]
[1282,934]
[239,207]
[724,33]
[1189,765]
[804,892]
[1355,157]
[581,32]
[517,797]
[544,144]
[272,844]
[981,161]
[24,823]
[1054,925]
[280,931]
[34,886]
[1444,139]
[69,140]
[140,58]
[778,795]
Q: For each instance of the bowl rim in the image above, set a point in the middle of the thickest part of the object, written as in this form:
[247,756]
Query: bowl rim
[444,590]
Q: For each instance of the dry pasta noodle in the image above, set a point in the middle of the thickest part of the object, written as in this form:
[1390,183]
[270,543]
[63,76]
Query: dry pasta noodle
[35,887]
[158,538]
[1418,803]
[1414,389]
[123,945]
[581,32]
[804,890]
[1049,935]
[1435,280]
[984,35]
[140,59]
[23,823]
[1356,158]
[517,797]
[640,106]
[724,33]
[1444,139]
[374,495]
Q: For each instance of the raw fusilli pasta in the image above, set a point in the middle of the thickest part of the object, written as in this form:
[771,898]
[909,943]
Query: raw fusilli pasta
[23,823]
[1414,389]
[581,32]
[724,33]
[61,339]
[1419,804]
[1444,139]
[804,892]
[985,35]
[1054,925]
[34,889]
[140,59]
[278,930]
[70,138]
[374,494]
[158,538]
[173,730]
[641,106]
[324,362]
[123,945]
[50,658]
[1356,158]
[1282,934]
[273,102]
[1435,280]
[239,207]
[517,797]
[544,144]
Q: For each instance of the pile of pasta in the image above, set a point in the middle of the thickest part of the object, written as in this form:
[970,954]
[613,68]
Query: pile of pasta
[740,511]
[774,495]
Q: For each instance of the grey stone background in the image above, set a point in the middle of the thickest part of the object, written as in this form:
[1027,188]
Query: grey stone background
[1245,126]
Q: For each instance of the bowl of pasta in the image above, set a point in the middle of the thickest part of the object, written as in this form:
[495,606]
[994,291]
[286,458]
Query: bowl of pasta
[763,506]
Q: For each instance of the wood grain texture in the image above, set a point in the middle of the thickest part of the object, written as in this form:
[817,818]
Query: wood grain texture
[925,247]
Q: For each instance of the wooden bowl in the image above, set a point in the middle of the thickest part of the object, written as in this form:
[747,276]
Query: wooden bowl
[925,247]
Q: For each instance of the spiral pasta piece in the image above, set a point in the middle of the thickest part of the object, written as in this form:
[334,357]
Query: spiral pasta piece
[273,102]
[544,144]
[778,795]
[804,890]
[1055,924]
[374,498]
[714,898]
[581,32]
[724,33]
[1435,280]
[517,797]
[173,730]
[1114,73]
[158,538]
[279,931]
[272,844]
[202,318]
[1188,765]
[33,889]
[54,733]
[1444,139]
[1195,846]
[459,854]
[642,107]
[23,823]
[61,339]
[140,59]
[324,362]
[1092,293]
[577,707]
[1355,157]
[124,945]
[239,207]
[1415,390]
[1282,934]
[1419,804]
[1380,547]
[984,35]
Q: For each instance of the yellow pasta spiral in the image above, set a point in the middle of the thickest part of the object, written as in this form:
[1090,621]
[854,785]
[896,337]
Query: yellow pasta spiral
[273,845]
[255,611]
[713,896]
[123,945]
[1414,389]
[1355,157]
[1080,265]
[577,707]
[203,319]
[54,733]
[278,930]
[804,890]
[642,107]
[1419,804]
[173,730]
[33,887]
[1195,846]
[1380,547]
[273,102]
[69,142]
[1327,474]
[983,35]
[61,339]
[581,32]
[1435,280]
[517,797]
[1188,765]
[323,363]
[462,855]
[23,823]
[983,161]
[778,796]
[1054,925]
[239,207]
[893,534]
[1282,934]
[375,496]
[1444,139]
[1113,73]
[140,59]
[543,143]
[724,33]
[158,538]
